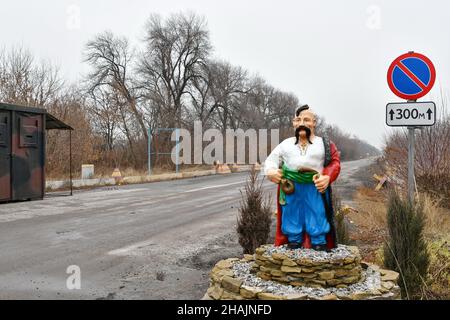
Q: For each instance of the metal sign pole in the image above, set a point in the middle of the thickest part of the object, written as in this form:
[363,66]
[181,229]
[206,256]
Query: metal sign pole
[149,152]
[70,162]
[411,151]
[177,147]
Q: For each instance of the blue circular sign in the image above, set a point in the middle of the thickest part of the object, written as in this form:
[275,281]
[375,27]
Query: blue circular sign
[411,76]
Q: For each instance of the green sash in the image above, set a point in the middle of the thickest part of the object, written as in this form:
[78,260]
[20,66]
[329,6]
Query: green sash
[294,176]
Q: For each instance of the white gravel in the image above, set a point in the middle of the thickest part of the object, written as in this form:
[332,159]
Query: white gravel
[242,271]
[341,252]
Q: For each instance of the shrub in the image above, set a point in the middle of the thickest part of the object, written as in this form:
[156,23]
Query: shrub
[406,250]
[254,219]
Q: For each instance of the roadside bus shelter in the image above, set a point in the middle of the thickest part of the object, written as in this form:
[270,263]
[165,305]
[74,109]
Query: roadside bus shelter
[22,151]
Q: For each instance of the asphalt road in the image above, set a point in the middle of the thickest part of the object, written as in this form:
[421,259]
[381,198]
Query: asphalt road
[147,241]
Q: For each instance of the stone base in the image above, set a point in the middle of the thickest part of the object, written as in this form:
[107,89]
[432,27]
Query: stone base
[306,267]
[282,274]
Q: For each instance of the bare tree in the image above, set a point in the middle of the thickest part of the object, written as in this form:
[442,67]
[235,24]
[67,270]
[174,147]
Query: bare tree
[110,58]
[104,111]
[25,82]
[270,107]
[176,50]
[228,86]
[201,102]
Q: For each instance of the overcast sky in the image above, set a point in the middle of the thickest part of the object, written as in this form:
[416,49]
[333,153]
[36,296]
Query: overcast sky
[333,55]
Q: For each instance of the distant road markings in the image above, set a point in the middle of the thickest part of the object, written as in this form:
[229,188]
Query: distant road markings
[213,187]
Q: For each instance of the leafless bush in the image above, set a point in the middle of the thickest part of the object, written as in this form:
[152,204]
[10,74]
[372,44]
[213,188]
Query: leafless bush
[70,109]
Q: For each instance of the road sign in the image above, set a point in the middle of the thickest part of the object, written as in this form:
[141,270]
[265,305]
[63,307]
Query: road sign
[410,114]
[411,76]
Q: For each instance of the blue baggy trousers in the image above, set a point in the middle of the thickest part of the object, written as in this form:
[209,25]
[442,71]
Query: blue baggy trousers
[305,211]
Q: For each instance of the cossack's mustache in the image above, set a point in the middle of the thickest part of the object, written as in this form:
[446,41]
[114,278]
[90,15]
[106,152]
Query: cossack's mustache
[297,133]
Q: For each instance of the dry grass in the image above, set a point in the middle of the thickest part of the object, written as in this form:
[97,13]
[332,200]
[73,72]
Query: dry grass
[369,221]
[437,218]
[371,209]
[371,212]
[438,284]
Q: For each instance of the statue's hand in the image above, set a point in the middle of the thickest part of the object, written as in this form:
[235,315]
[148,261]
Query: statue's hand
[321,182]
[275,175]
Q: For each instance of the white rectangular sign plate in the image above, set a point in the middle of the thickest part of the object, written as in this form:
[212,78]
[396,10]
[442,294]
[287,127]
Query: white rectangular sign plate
[410,114]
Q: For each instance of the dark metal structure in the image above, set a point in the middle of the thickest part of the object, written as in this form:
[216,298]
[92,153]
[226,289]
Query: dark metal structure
[22,151]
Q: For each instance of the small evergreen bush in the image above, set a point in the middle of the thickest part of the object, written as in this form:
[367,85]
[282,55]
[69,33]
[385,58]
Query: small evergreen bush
[405,250]
[254,218]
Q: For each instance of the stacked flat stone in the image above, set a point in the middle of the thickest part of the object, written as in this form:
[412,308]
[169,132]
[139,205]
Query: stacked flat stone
[302,267]
[271,274]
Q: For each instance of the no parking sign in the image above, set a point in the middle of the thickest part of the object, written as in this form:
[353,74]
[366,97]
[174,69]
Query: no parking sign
[411,76]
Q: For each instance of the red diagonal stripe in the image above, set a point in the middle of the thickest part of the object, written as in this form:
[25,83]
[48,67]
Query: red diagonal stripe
[411,75]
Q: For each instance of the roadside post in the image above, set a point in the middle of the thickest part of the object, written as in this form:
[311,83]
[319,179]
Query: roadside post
[410,77]
[149,147]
